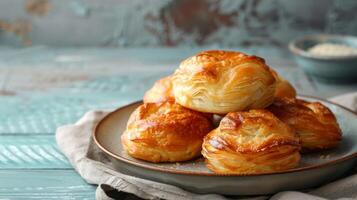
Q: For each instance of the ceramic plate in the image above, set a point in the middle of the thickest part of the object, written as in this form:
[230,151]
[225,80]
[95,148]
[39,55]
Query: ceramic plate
[315,168]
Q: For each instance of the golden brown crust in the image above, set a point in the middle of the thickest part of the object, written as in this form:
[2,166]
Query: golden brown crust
[283,87]
[160,92]
[223,81]
[165,132]
[314,122]
[251,142]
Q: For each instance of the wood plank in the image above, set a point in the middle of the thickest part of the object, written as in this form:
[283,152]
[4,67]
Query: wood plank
[31,152]
[44,184]
[39,68]
[36,68]
[43,111]
[51,87]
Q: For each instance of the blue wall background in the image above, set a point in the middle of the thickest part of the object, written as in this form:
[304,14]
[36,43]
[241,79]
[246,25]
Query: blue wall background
[171,22]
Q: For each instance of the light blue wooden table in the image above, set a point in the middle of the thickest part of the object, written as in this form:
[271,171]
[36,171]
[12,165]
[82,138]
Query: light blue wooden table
[43,88]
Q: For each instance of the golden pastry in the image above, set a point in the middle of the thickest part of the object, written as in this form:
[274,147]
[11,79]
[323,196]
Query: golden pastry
[223,81]
[165,132]
[283,87]
[315,124]
[160,92]
[251,142]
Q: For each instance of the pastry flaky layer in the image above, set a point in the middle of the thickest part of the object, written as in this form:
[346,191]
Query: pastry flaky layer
[223,81]
[251,142]
[315,124]
[283,89]
[165,132]
[160,92]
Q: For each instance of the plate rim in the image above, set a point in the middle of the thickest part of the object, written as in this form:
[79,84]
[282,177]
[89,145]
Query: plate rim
[182,172]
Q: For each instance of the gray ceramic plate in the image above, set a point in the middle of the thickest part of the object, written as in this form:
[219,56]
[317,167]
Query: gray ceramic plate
[315,168]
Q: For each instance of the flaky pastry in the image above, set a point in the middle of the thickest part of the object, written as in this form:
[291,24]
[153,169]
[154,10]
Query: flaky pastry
[160,92]
[315,124]
[251,142]
[283,87]
[165,132]
[223,81]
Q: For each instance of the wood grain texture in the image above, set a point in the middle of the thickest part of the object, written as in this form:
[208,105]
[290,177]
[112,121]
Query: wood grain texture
[42,88]
[31,152]
[44,184]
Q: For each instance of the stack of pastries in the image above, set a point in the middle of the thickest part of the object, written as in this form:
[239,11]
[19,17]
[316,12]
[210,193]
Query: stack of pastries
[263,127]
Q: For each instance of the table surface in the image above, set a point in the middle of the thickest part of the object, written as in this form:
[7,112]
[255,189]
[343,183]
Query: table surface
[42,88]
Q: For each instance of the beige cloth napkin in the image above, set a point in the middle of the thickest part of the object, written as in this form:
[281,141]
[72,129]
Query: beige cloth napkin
[94,166]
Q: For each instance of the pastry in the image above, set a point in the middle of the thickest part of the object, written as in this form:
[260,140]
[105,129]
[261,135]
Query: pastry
[223,81]
[315,124]
[160,92]
[165,132]
[283,87]
[251,142]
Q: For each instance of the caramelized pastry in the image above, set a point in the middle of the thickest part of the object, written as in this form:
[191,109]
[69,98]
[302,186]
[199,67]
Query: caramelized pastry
[165,132]
[315,124]
[222,81]
[283,87]
[251,142]
[160,92]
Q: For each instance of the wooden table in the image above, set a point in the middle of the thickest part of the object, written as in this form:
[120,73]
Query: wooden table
[42,88]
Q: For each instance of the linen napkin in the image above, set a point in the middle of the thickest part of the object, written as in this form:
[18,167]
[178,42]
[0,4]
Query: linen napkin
[95,167]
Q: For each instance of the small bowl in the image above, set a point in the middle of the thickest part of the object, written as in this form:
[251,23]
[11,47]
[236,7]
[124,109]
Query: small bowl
[326,68]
